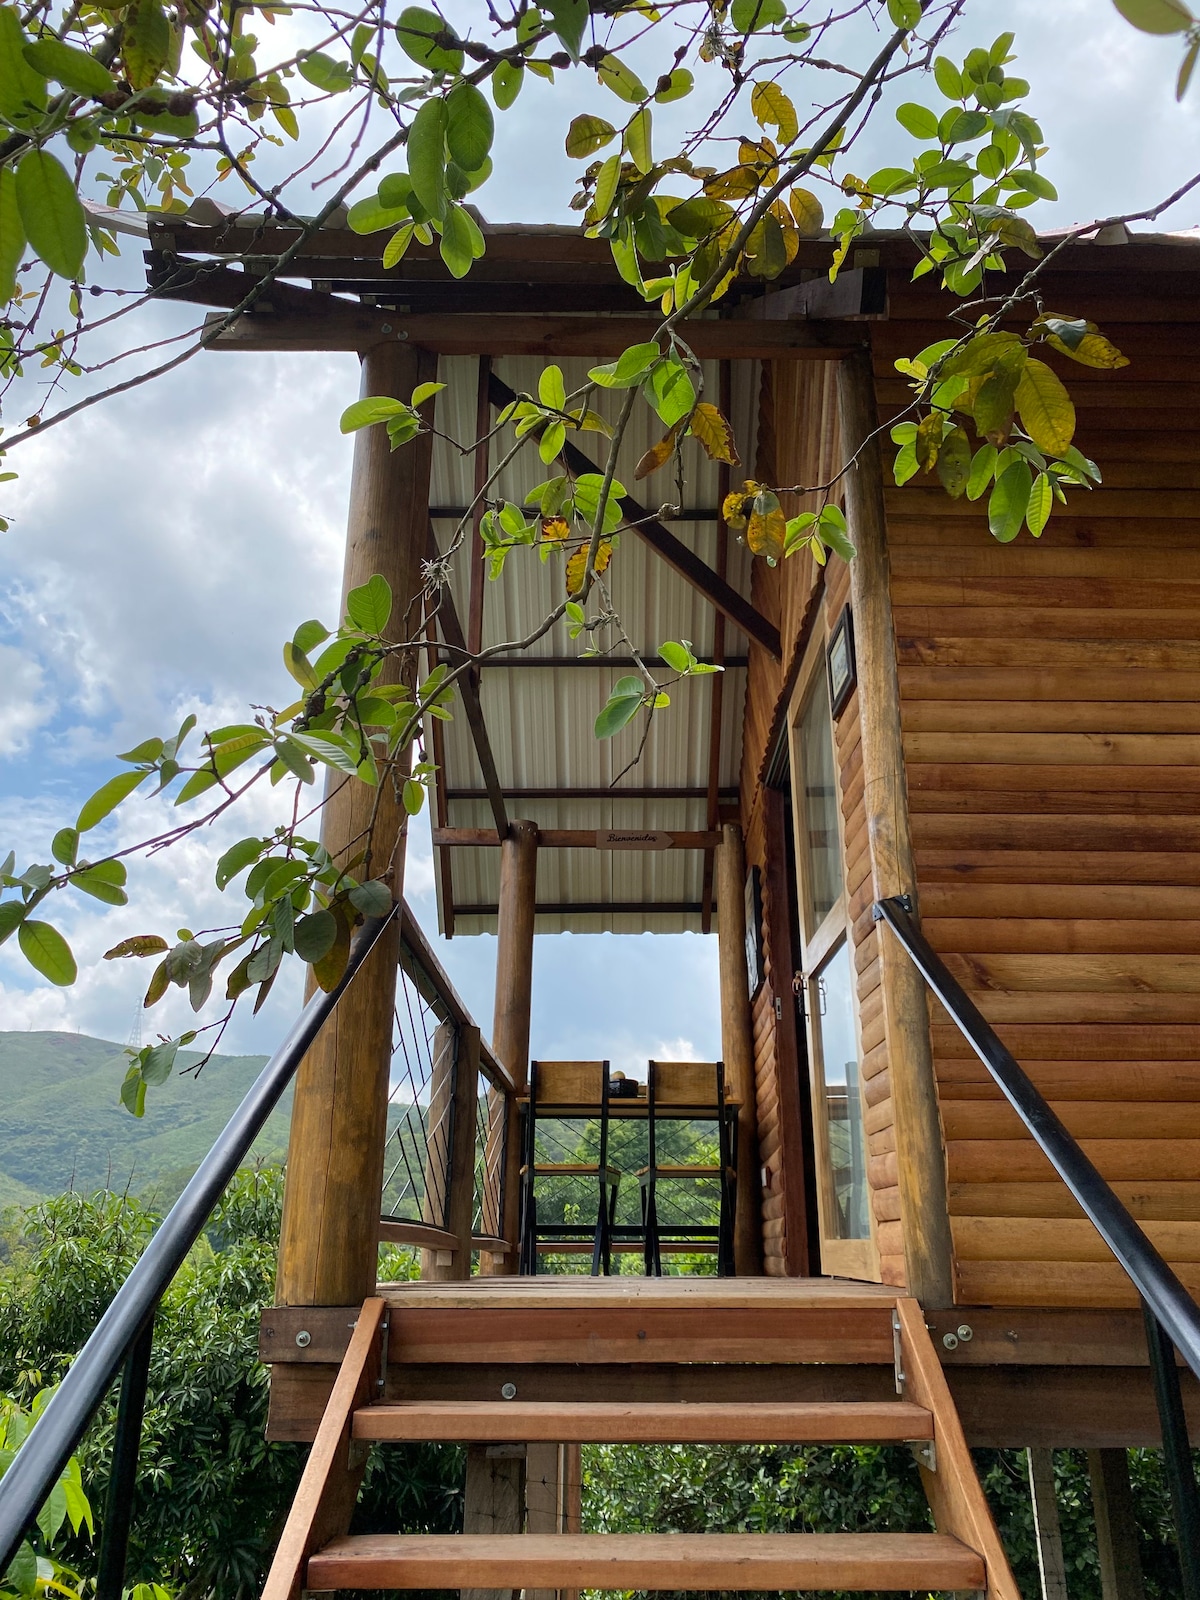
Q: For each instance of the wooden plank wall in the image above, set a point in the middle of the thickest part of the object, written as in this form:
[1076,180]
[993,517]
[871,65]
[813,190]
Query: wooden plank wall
[799,445]
[1052,738]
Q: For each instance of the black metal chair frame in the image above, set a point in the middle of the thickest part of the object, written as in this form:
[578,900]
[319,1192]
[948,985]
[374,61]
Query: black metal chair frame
[653,1232]
[607,1182]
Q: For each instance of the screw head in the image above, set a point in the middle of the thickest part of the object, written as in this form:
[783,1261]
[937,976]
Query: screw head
[385,327]
[965,1332]
[950,1340]
[508,1391]
[304,1338]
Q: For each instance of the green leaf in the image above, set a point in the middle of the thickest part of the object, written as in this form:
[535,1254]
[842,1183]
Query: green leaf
[146,42]
[623,702]
[12,914]
[22,89]
[372,216]
[679,84]
[371,409]
[427,157]
[428,40]
[157,1062]
[74,69]
[587,500]
[968,125]
[373,899]
[1041,502]
[310,634]
[47,952]
[133,1091]
[676,657]
[751,16]
[105,881]
[629,368]
[1156,16]
[65,846]
[506,83]
[369,607]
[672,393]
[461,242]
[148,750]
[637,140]
[236,859]
[570,19]
[1009,501]
[552,391]
[904,13]
[954,462]
[622,80]
[12,234]
[470,126]
[413,796]
[332,750]
[107,798]
[315,935]
[948,78]
[51,213]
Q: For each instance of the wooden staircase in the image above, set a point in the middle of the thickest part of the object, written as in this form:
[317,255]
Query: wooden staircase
[663,1331]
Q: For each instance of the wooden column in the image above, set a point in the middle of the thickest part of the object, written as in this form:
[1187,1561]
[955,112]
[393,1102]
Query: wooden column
[1051,1567]
[1116,1526]
[328,1247]
[494,1501]
[737,1045]
[920,1152]
[514,991]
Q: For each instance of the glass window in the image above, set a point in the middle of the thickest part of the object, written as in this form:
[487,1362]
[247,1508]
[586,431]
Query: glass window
[820,839]
[846,1143]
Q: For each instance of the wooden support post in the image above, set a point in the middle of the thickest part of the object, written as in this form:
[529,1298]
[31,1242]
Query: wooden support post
[462,1154]
[438,1265]
[510,1022]
[1116,1527]
[494,1501]
[328,1246]
[737,1045]
[1046,1531]
[920,1153]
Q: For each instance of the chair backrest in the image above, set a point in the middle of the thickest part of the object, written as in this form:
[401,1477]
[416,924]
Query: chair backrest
[688,1083]
[568,1083]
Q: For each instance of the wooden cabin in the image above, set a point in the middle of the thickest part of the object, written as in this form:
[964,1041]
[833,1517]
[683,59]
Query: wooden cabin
[1008,734]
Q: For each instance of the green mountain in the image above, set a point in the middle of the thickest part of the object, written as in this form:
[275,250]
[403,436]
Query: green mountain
[62,1123]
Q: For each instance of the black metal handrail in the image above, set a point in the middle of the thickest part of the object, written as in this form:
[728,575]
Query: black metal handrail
[1172,1317]
[121,1337]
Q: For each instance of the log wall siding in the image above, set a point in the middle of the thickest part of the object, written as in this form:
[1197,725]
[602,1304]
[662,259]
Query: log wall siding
[1049,697]
[799,445]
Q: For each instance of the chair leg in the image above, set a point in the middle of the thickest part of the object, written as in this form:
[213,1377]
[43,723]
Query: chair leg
[647,1261]
[529,1252]
[653,1250]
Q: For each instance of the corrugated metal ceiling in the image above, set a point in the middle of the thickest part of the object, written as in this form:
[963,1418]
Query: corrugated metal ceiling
[540,719]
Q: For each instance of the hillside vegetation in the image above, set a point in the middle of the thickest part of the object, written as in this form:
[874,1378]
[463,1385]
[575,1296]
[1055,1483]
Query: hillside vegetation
[62,1124]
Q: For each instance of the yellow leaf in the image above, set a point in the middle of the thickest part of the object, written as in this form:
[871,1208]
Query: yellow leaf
[734,184]
[714,433]
[554,529]
[929,439]
[592,422]
[808,212]
[772,108]
[1093,350]
[658,455]
[577,565]
[1045,408]
[766,532]
[736,506]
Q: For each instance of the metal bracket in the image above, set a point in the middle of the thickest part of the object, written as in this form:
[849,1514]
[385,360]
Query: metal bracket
[381,1380]
[898,1354]
[926,1454]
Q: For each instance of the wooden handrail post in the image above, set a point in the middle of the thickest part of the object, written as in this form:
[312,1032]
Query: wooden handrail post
[510,1025]
[328,1246]
[920,1153]
[456,1146]
[737,1045]
[439,1159]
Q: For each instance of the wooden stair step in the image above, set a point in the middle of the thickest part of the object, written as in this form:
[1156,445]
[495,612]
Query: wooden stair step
[711,1561]
[641,1422]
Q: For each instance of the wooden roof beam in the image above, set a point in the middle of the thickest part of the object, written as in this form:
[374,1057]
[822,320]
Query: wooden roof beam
[674,552]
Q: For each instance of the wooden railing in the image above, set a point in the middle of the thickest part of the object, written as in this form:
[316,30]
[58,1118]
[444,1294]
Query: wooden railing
[444,1189]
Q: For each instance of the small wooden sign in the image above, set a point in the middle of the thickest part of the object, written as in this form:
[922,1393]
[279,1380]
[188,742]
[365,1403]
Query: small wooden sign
[632,839]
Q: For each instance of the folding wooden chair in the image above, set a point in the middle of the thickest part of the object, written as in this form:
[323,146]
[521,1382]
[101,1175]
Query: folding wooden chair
[686,1089]
[567,1090]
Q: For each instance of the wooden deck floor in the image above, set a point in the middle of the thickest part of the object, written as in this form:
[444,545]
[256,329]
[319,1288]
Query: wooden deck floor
[568,1292]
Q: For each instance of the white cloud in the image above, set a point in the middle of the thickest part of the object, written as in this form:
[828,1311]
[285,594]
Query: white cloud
[24,706]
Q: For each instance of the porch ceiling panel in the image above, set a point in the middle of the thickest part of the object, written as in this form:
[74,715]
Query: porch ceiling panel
[540,719]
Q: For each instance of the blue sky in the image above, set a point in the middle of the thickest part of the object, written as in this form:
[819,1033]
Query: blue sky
[164,544]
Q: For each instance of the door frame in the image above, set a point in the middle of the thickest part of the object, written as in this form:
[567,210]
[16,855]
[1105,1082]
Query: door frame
[850,1258]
